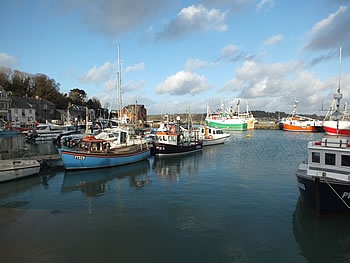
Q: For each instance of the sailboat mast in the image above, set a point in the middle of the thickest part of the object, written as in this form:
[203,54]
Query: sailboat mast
[119,85]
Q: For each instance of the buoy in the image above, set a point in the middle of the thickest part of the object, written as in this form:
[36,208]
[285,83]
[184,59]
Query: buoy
[248,135]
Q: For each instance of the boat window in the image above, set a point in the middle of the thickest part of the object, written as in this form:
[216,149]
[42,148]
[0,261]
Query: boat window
[164,138]
[345,160]
[330,158]
[315,157]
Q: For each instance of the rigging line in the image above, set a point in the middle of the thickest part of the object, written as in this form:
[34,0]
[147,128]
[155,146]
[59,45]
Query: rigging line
[336,193]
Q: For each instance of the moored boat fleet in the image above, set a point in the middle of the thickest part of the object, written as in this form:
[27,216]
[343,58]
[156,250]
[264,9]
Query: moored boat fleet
[323,179]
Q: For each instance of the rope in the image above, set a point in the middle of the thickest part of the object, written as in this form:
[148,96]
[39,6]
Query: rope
[324,177]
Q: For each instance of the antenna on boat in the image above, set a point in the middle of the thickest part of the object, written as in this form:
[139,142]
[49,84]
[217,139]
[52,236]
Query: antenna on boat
[338,96]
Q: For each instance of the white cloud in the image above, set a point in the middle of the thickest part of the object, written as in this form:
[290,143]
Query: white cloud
[230,53]
[273,87]
[331,32]
[193,64]
[273,40]
[264,4]
[137,67]
[100,74]
[7,61]
[193,19]
[183,83]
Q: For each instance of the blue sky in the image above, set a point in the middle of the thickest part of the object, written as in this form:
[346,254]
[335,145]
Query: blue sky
[179,56]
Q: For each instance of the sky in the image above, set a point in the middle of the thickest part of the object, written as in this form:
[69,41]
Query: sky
[179,56]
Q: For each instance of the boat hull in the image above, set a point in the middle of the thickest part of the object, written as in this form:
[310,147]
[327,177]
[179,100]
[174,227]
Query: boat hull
[321,197]
[250,124]
[302,128]
[162,149]
[214,141]
[9,132]
[75,160]
[227,125]
[16,169]
[330,128]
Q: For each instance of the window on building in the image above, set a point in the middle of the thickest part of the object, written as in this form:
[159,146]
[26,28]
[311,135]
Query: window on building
[23,113]
[316,157]
[345,160]
[330,158]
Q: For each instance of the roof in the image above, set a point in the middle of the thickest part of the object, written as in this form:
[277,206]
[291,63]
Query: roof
[20,103]
[39,101]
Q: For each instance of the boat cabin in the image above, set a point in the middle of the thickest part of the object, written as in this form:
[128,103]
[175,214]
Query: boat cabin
[92,145]
[329,157]
[208,132]
[167,138]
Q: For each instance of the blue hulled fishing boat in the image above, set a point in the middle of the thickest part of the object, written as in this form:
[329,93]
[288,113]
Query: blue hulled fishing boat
[96,153]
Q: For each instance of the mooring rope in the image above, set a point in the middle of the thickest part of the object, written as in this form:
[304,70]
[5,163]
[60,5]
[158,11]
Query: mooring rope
[324,177]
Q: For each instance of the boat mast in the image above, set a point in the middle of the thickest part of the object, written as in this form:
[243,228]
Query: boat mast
[119,86]
[338,96]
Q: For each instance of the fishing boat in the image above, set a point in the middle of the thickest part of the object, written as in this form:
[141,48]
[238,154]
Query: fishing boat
[14,169]
[96,153]
[47,132]
[176,141]
[336,122]
[226,119]
[299,123]
[324,179]
[212,136]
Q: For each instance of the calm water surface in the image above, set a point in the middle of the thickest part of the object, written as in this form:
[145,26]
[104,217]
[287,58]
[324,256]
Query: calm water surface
[236,202]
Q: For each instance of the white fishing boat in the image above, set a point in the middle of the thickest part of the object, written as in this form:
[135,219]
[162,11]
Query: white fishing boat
[14,169]
[47,132]
[336,122]
[212,136]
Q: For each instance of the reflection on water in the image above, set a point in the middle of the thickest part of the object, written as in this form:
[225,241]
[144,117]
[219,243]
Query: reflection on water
[14,188]
[321,239]
[234,202]
[94,182]
[17,147]
[173,167]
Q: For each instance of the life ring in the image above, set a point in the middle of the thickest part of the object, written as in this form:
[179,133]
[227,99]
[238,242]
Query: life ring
[210,136]
[172,129]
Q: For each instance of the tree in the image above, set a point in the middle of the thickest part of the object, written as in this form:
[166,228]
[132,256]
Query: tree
[5,74]
[93,103]
[78,96]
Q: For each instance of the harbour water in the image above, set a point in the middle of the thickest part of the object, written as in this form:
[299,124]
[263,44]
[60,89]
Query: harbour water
[236,202]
